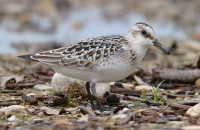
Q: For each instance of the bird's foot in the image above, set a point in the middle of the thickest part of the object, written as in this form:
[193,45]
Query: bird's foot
[97,106]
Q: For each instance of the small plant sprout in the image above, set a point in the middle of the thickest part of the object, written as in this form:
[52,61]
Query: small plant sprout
[69,101]
[144,95]
[156,93]
[137,104]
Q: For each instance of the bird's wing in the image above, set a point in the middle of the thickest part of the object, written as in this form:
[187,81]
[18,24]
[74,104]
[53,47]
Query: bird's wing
[84,54]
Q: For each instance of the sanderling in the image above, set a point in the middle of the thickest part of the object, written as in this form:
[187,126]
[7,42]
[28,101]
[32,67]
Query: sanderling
[102,59]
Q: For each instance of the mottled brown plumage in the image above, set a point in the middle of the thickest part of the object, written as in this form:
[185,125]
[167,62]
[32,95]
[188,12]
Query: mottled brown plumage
[87,53]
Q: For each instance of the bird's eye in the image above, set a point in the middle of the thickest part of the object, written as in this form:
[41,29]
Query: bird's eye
[144,32]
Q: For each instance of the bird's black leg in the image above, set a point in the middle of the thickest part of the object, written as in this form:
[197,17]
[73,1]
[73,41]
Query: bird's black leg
[99,104]
[93,90]
[91,87]
[89,95]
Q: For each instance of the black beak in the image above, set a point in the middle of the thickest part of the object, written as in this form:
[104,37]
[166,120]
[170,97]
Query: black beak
[160,46]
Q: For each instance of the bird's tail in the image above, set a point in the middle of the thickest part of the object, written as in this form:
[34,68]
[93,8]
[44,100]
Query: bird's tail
[26,57]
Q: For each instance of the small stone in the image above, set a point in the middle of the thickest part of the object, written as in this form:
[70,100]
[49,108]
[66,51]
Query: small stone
[64,124]
[192,127]
[4,111]
[75,87]
[144,88]
[31,94]
[120,116]
[13,118]
[124,110]
[34,119]
[176,124]
[42,87]
[83,119]
[197,82]
[194,111]
[135,105]
[7,78]
[8,110]
[50,111]
[61,83]
[124,102]
[106,112]
[139,80]
[131,105]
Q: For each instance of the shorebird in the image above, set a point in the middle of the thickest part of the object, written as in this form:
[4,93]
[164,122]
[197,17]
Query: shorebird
[101,59]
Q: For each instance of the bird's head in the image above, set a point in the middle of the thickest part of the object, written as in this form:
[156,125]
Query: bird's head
[146,36]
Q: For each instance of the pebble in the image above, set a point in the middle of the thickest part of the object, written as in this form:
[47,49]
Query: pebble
[194,111]
[31,94]
[61,84]
[105,112]
[50,111]
[64,124]
[83,119]
[13,118]
[139,80]
[193,127]
[134,105]
[124,102]
[42,87]
[120,116]
[124,110]
[144,88]
[197,82]
[131,105]
[9,109]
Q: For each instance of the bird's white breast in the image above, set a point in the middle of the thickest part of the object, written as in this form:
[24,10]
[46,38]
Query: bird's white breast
[107,71]
[113,68]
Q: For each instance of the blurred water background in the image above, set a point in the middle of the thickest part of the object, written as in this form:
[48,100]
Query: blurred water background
[34,25]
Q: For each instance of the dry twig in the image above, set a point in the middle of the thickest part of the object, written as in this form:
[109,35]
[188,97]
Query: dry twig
[177,75]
